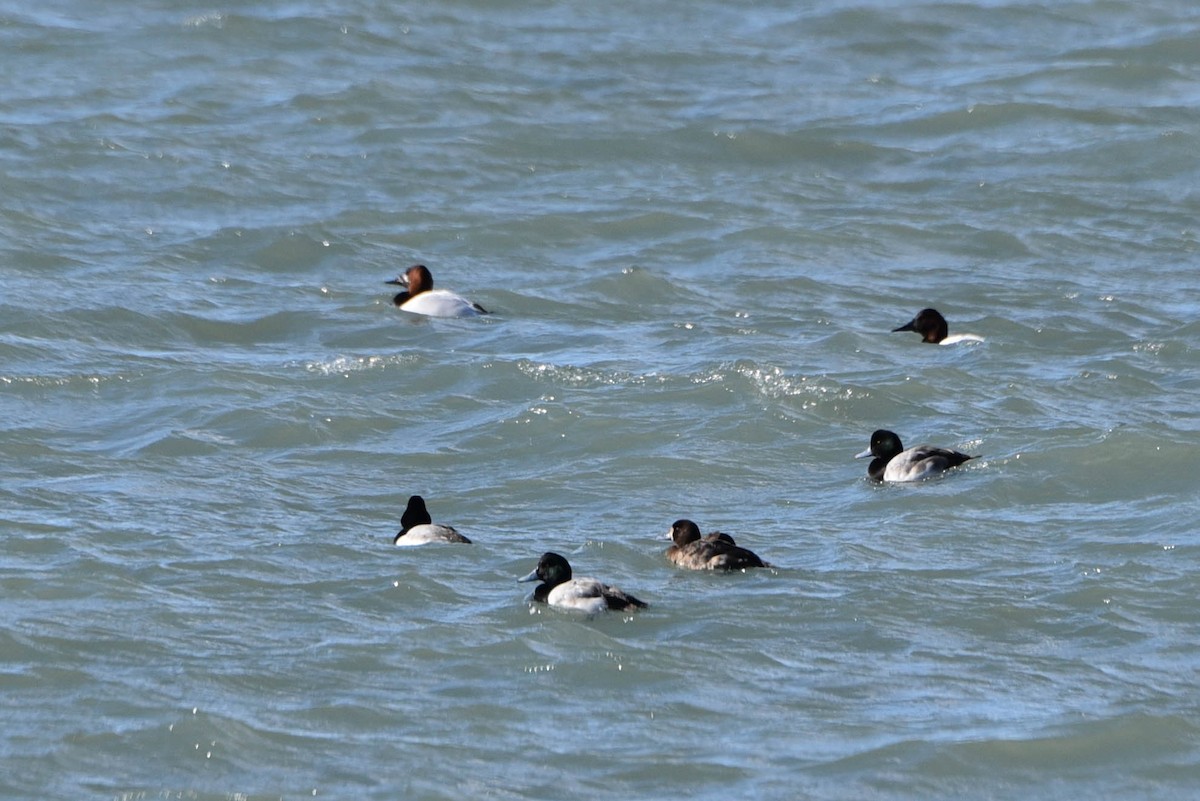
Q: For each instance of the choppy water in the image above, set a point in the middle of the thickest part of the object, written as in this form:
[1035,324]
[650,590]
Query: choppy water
[696,223]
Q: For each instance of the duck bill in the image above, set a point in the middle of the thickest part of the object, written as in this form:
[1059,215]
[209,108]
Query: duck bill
[865,453]
[531,577]
[909,326]
[400,281]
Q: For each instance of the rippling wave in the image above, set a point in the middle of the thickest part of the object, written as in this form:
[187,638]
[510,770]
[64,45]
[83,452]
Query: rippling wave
[696,226]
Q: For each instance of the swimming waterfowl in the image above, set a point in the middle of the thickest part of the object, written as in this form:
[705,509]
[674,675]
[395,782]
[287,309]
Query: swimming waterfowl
[716,551]
[419,296]
[582,594]
[893,463]
[932,327]
[419,528]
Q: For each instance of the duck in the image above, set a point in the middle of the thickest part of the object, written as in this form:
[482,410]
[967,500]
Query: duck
[893,463]
[419,296]
[419,528]
[932,327]
[587,595]
[715,551]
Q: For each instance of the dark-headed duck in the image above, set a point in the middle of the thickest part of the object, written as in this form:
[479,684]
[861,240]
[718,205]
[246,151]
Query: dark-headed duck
[716,551]
[419,296]
[931,325]
[419,528]
[893,463]
[581,594]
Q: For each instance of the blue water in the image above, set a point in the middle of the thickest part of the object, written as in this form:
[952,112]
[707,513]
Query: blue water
[696,225]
